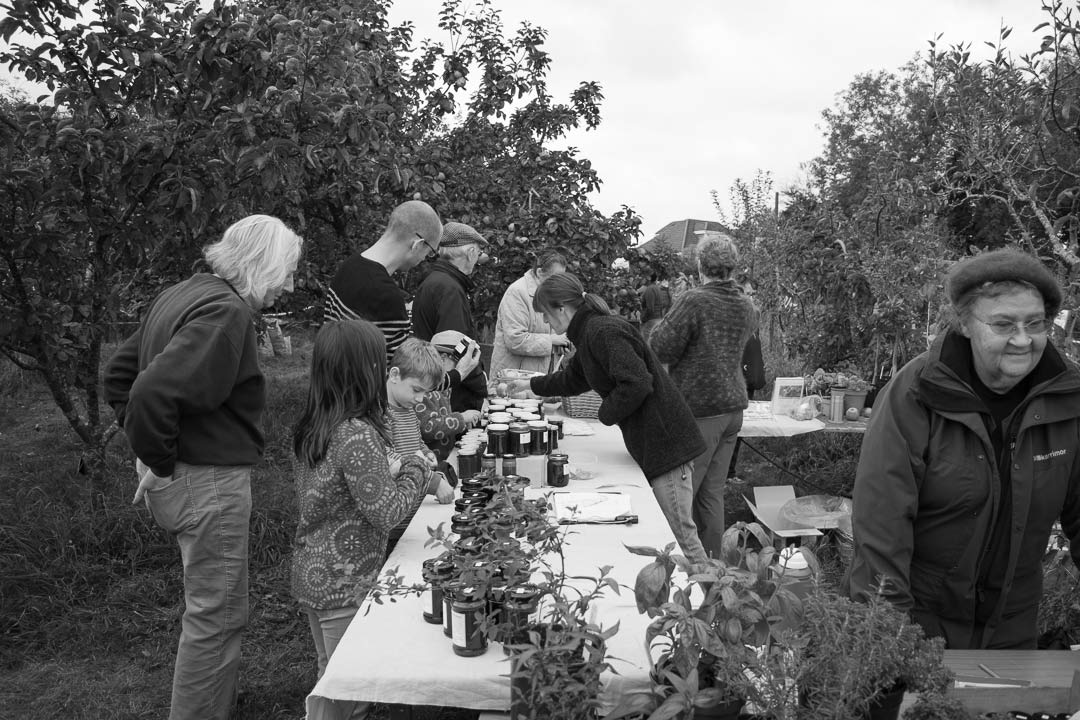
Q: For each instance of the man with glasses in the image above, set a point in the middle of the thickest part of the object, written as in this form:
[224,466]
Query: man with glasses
[969,459]
[364,287]
[443,302]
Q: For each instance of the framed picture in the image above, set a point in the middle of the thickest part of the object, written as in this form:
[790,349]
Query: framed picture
[786,395]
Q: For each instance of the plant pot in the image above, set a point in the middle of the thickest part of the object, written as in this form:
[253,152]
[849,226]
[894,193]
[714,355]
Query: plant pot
[887,706]
[854,399]
[551,671]
[721,711]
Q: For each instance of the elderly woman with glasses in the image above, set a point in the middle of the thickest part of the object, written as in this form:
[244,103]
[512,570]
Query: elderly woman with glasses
[969,459]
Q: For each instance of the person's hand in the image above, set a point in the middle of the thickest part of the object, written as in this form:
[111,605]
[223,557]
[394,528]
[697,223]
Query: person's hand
[469,360]
[148,480]
[428,457]
[444,491]
[518,385]
[395,466]
[471,417]
[559,340]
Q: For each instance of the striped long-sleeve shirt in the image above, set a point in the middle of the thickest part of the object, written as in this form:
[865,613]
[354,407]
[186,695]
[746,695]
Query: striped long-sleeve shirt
[363,289]
[405,433]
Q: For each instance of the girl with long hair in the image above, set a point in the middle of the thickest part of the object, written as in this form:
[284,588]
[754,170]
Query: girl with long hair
[348,500]
[637,395]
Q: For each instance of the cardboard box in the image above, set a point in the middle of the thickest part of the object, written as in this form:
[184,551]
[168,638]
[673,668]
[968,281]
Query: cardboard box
[766,508]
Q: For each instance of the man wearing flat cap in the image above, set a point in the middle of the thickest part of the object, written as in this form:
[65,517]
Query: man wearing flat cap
[442,302]
[969,459]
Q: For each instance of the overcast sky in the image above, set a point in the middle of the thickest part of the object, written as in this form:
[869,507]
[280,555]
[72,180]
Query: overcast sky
[701,92]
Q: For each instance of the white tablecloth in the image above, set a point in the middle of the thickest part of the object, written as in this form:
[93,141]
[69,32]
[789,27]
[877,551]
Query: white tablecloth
[391,655]
[757,424]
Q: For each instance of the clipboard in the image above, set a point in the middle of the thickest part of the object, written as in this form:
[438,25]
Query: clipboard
[608,507]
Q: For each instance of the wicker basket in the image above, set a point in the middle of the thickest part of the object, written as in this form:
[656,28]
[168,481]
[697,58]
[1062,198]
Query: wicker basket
[586,405]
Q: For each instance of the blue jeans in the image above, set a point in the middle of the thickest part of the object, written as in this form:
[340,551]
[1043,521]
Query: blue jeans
[675,494]
[327,629]
[721,432]
[207,509]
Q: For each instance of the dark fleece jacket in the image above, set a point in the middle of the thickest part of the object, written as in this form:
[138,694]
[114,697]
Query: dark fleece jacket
[638,395]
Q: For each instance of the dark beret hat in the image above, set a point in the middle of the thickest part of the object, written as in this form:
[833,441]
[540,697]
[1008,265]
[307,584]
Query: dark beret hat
[1005,264]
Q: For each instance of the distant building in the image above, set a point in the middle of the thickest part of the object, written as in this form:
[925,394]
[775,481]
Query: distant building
[684,234]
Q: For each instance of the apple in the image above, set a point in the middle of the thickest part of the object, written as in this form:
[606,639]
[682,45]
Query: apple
[852,414]
[866,412]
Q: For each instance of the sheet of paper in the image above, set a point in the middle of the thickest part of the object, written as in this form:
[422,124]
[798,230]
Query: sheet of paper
[590,506]
[758,410]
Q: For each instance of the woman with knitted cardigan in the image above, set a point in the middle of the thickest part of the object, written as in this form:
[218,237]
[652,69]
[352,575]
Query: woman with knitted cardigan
[702,340]
[637,395]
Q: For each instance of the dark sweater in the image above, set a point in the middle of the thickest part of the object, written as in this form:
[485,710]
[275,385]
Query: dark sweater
[442,303]
[363,289]
[612,358]
[187,385]
[702,339]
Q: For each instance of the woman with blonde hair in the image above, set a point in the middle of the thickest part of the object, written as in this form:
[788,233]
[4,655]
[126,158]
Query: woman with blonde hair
[189,393]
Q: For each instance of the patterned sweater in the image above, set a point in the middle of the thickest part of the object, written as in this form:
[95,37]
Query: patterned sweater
[702,340]
[440,426]
[347,505]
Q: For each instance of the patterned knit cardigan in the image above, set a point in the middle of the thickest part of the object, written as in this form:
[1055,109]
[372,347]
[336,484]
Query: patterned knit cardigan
[702,340]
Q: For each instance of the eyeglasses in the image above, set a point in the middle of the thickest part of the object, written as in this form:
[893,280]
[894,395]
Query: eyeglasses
[432,252]
[1009,328]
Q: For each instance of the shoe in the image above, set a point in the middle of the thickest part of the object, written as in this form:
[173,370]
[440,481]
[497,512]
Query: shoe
[736,480]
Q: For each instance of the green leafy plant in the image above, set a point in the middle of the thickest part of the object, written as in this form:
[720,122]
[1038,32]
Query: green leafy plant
[724,636]
[1059,609]
[854,653]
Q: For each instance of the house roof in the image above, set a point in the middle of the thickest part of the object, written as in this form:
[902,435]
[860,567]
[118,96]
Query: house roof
[683,235]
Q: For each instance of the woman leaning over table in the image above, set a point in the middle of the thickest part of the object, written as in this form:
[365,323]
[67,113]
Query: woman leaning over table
[970,457]
[637,395]
[523,339]
[348,500]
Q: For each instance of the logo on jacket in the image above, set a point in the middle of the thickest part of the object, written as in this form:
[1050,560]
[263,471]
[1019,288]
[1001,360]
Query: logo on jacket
[1051,454]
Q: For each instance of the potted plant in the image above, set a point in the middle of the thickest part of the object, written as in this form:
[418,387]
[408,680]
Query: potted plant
[557,663]
[717,640]
[857,659]
[855,393]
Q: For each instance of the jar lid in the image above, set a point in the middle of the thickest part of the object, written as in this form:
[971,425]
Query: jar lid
[518,426]
[498,427]
[468,450]
[523,593]
[540,424]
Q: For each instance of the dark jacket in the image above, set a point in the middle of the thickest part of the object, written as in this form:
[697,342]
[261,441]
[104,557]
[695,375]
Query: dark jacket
[187,385]
[612,358]
[927,490]
[702,339]
[442,303]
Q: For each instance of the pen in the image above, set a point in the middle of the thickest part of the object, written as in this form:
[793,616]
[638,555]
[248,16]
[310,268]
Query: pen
[988,671]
